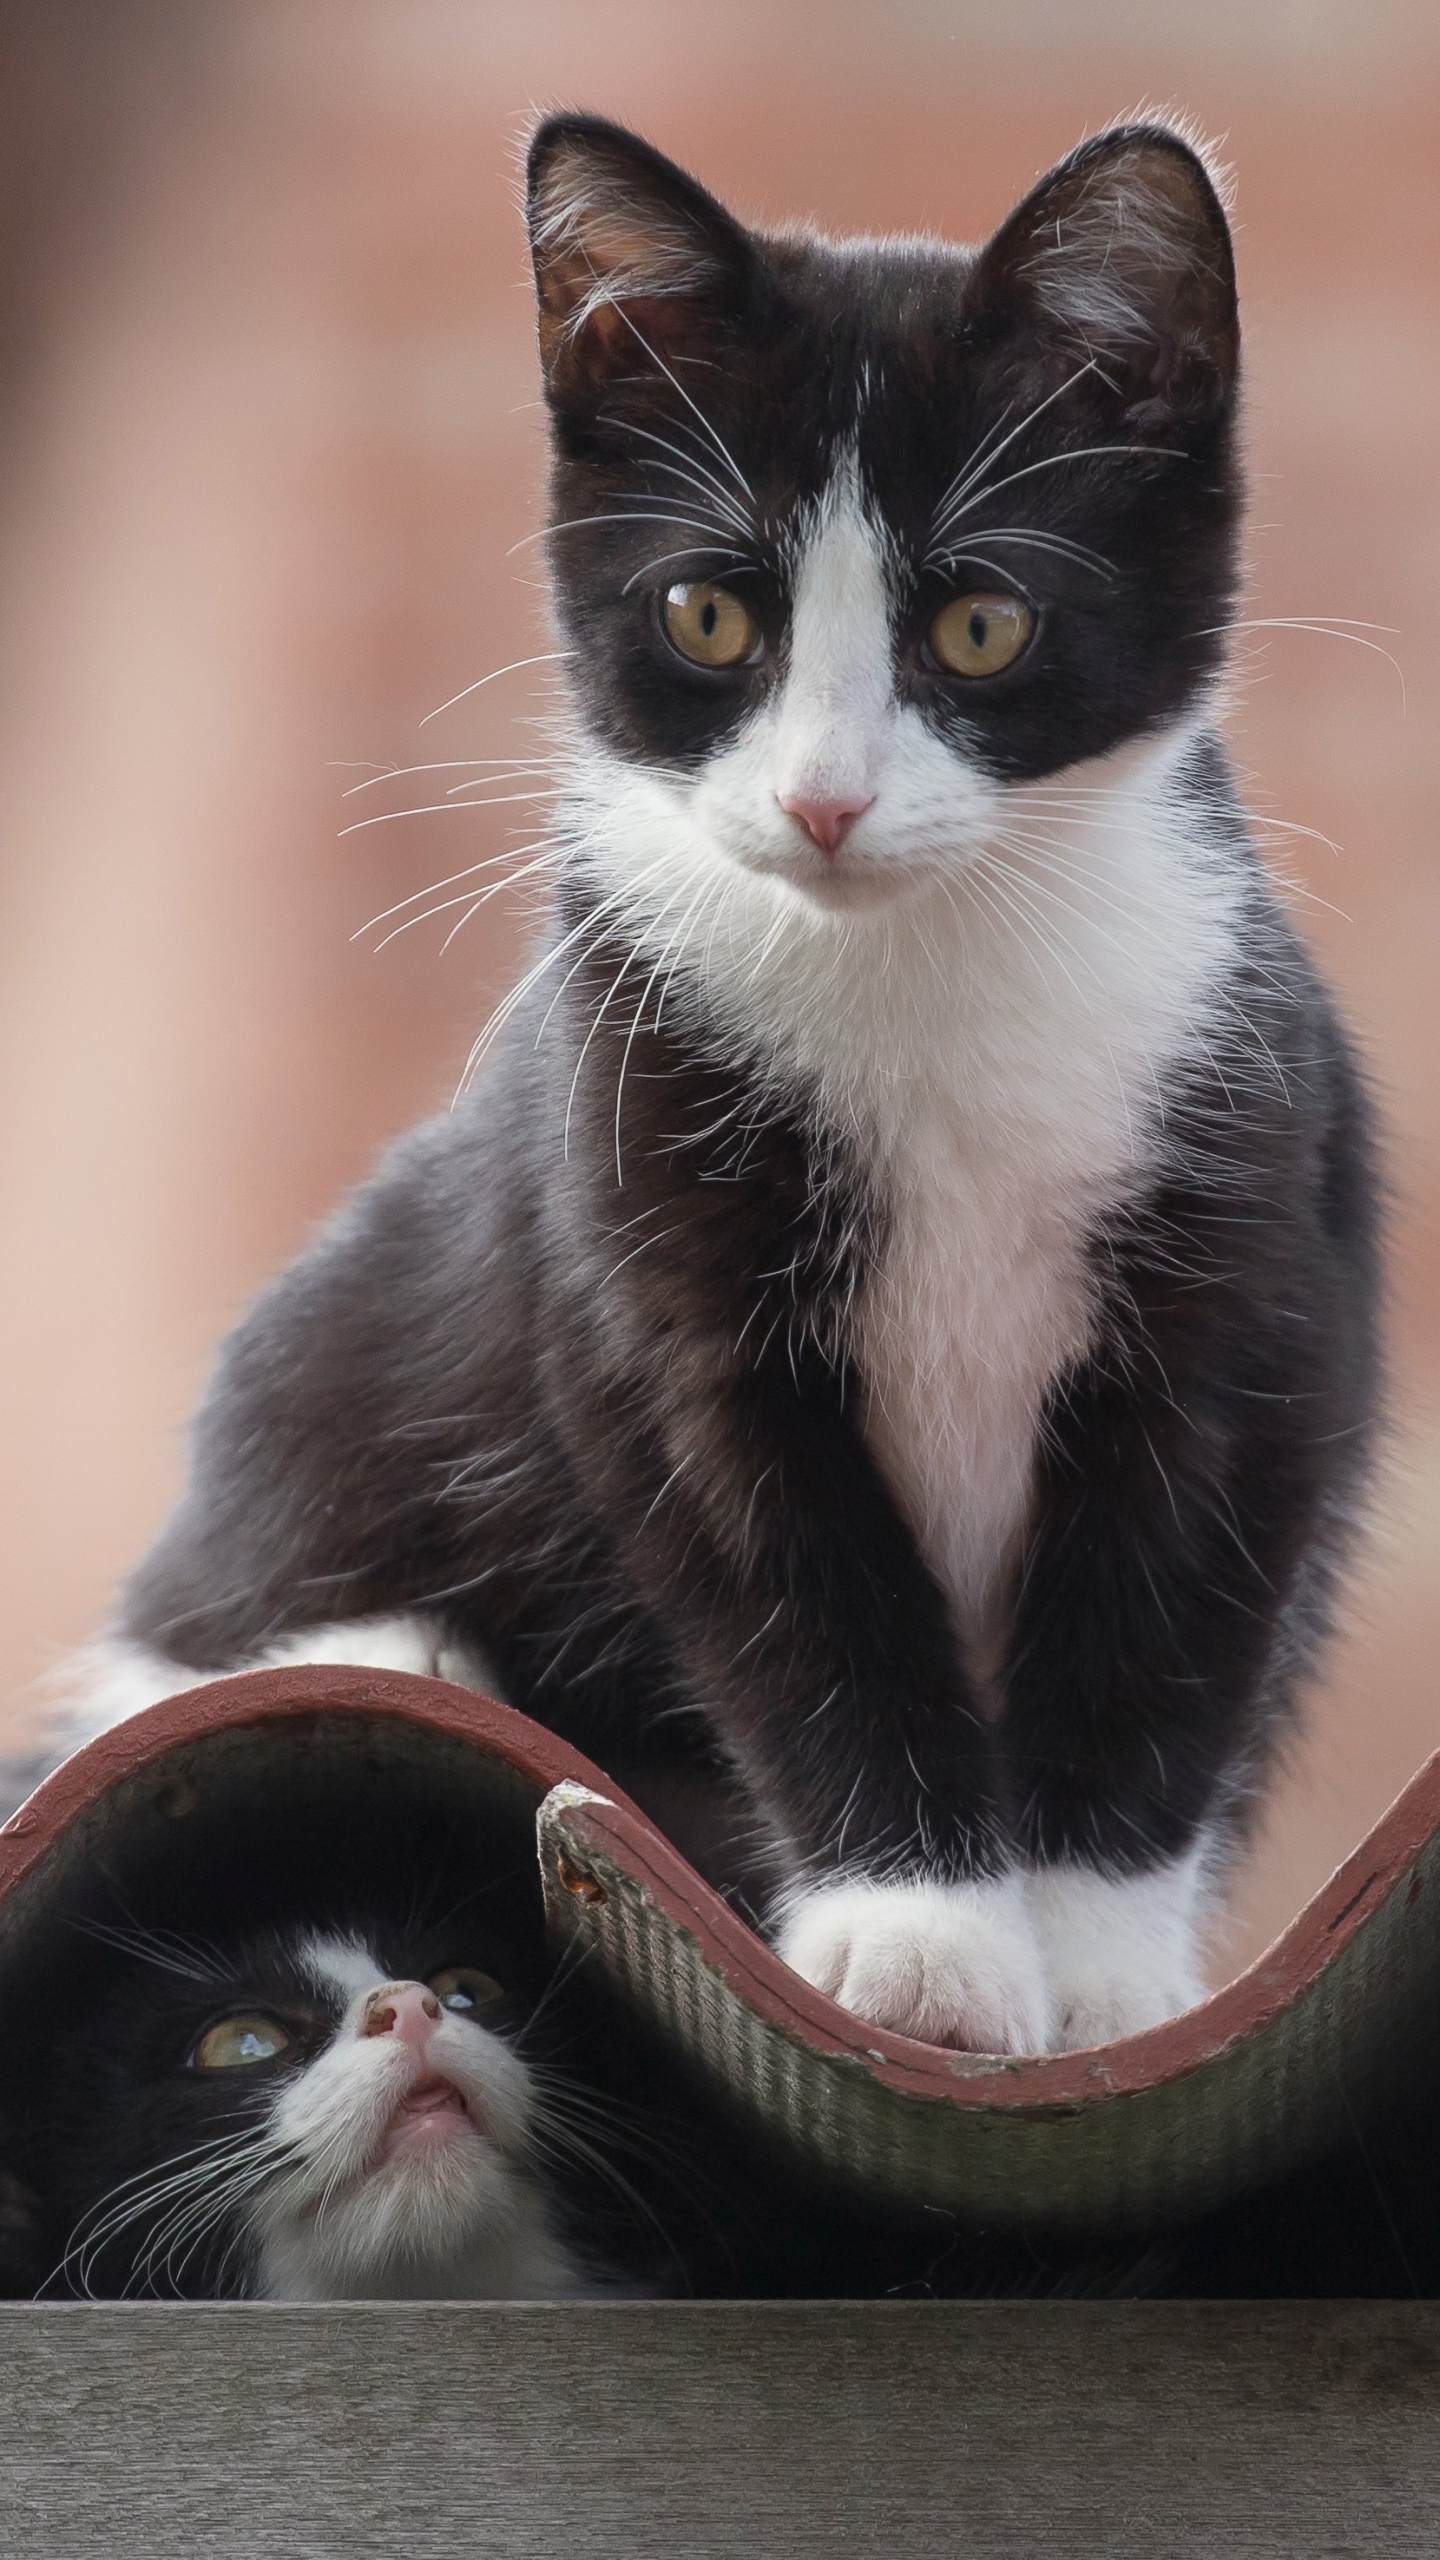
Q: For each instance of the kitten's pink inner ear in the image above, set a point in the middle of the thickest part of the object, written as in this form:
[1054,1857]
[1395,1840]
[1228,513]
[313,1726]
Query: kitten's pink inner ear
[630,256]
[1125,251]
[591,258]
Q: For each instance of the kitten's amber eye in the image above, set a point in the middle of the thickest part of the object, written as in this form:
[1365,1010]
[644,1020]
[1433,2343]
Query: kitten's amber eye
[463,1988]
[710,626]
[978,635]
[246,2038]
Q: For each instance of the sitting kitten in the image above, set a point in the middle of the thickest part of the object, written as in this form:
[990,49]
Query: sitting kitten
[305,2114]
[894,1328]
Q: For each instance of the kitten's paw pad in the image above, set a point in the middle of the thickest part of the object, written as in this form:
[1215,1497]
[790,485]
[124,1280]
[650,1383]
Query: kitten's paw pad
[953,1964]
[1119,1951]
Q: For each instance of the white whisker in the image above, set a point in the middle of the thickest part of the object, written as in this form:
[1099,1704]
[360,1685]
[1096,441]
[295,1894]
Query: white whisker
[439,809]
[1053,462]
[542,657]
[444,764]
[988,451]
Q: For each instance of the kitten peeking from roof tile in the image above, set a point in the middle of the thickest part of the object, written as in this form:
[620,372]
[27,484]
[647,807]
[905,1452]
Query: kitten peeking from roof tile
[889,1338]
[304,2109]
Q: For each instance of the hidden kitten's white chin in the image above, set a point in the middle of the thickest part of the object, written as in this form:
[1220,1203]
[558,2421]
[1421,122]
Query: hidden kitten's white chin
[442,2218]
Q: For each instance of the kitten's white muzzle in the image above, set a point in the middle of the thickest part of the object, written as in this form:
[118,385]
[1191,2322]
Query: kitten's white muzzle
[432,2107]
[407,2170]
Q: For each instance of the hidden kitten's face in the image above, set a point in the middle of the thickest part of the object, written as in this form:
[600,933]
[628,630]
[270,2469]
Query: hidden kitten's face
[306,2114]
[855,544]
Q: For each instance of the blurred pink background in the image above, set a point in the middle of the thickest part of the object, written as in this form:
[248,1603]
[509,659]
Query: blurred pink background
[269,432]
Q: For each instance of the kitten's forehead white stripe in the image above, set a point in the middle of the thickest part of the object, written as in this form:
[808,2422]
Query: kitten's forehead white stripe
[833,707]
[342,1965]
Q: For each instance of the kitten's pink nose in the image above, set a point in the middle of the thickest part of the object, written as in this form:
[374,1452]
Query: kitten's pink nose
[403,2009]
[825,820]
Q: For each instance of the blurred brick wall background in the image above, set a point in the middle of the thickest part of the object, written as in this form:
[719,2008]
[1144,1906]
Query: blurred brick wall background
[269,433]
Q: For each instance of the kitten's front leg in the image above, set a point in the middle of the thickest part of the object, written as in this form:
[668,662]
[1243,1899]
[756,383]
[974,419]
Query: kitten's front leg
[1162,1611]
[804,1616]
[1120,1951]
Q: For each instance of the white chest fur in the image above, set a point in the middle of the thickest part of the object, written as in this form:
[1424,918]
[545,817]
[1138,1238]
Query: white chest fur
[981,1296]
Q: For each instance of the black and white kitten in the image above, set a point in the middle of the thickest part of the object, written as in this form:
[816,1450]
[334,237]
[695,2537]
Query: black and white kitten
[894,1323]
[294,2113]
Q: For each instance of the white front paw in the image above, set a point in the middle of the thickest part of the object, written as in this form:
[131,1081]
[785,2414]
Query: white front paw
[1120,1951]
[953,1964]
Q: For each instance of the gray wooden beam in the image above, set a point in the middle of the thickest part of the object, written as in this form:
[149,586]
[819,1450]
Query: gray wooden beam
[773,2431]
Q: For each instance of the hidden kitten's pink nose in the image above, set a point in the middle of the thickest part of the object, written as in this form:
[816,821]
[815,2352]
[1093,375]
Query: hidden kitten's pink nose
[825,820]
[403,2009]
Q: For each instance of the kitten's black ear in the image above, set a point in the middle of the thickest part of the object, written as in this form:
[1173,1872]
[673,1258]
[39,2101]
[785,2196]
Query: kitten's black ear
[636,268]
[1122,253]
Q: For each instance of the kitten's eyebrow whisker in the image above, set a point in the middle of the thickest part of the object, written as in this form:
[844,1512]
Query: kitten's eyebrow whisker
[160,1947]
[686,464]
[988,451]
[1036,540]
[979,559]
[693,551]
[1052,462]
[613,515]
[718,441]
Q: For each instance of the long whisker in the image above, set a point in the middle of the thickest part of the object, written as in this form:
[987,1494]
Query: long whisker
[1333,627]
[1058,544]
[718,441]
[471,902]
[1012,892]
[542,657]
[450,882]
[1222,994]
[444,764]
[171,2180]
[692,551]
[626,965]
[675,940]
[168,1954]
[988,451]
[625,515]
[1052,462]
[438,809]
[482,781]
[541,863]
[592,923]
[684,468]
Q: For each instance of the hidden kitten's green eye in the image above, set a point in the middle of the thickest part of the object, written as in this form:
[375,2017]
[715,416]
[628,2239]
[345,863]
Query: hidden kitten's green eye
[247,2037]
[710,626]
[978,635]
[466,1990]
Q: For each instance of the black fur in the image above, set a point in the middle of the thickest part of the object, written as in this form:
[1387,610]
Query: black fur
[609,1434]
